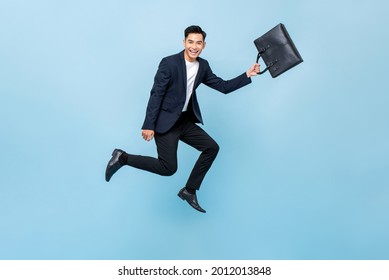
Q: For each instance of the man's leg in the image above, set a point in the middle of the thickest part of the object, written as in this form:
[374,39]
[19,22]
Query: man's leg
[196,137]
[166,163]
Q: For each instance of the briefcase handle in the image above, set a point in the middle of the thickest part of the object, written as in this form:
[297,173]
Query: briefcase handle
[271,64]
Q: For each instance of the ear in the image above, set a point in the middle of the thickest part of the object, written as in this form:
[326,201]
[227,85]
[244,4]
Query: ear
[183,43]
[204,44]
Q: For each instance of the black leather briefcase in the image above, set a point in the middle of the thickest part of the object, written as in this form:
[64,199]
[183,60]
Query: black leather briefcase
[277,51]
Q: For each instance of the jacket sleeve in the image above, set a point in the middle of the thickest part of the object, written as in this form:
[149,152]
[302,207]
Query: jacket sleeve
[224,86]
[161,82]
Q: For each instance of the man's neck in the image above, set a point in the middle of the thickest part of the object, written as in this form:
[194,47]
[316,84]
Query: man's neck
[191,60]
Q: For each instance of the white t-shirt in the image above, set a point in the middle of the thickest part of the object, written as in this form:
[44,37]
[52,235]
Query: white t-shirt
[191,71]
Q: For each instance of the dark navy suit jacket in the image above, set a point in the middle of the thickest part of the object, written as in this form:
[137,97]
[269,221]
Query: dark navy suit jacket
[168,93]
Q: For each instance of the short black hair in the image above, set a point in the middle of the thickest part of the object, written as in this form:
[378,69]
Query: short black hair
[195,29]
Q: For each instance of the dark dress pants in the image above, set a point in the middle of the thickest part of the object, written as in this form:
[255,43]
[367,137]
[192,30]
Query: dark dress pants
[167,144]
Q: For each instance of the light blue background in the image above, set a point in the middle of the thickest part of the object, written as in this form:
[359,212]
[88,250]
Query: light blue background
[303,168]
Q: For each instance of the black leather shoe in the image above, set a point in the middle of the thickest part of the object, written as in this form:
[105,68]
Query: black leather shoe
[113,165]
[191,199]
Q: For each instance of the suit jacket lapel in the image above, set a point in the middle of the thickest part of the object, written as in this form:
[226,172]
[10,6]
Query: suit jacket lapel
[183,66]
[199,74]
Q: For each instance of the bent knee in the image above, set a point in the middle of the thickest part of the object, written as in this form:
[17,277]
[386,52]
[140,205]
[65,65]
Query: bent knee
[214,148]
[169,171]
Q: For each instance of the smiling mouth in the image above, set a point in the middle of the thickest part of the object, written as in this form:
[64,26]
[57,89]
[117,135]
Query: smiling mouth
[193,52]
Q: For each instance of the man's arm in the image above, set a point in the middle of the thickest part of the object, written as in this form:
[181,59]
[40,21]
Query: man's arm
[161,81]
[227,86]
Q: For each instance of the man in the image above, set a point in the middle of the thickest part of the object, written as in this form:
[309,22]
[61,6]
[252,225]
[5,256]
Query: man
[172,113]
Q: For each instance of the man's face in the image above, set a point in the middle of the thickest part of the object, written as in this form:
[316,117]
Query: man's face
[193,44]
